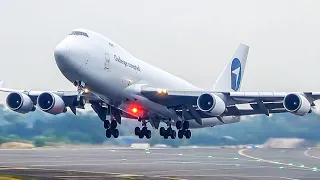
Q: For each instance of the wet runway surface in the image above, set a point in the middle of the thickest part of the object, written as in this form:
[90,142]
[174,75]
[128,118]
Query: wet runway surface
[195,163]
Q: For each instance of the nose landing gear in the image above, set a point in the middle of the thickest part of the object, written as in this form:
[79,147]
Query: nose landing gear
[80,89]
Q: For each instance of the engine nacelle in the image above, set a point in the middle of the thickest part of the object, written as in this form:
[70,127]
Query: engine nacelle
[296,104]
[211,104]
[51,103]
[19,102]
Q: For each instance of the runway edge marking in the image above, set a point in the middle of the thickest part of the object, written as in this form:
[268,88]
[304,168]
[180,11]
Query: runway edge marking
[240,152]
[307,154]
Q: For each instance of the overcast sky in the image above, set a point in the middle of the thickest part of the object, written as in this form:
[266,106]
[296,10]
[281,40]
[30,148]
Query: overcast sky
[191,39]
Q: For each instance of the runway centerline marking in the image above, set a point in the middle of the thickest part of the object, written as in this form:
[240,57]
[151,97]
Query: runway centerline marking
[307,154]
[272,162]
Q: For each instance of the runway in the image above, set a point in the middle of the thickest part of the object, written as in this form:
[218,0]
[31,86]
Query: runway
[194,163]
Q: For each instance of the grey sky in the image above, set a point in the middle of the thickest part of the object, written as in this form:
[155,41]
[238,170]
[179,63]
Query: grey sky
[191,39]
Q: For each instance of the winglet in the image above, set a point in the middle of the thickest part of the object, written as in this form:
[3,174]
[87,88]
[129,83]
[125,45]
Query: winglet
[230,78]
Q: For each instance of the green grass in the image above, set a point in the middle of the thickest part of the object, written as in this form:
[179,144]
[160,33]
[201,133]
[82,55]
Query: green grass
[12,177]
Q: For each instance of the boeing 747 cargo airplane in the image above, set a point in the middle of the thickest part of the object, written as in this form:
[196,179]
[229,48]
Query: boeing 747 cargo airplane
[117,85]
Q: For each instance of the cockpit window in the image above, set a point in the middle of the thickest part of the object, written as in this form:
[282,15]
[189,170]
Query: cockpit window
[79,33]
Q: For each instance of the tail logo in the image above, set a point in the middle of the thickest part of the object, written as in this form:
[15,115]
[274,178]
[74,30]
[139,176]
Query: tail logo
[236,74]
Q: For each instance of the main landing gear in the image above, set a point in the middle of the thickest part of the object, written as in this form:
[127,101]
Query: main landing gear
[111,128]
[183,130]
[169,132]
[143,132]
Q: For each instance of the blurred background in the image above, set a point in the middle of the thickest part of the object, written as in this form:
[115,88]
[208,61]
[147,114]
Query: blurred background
[86,128]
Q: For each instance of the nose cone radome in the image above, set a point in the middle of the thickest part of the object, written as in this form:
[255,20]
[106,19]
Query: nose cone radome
[61,54]
[65,60]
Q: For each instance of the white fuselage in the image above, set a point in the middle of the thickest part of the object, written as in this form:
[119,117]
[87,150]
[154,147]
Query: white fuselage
[107,69]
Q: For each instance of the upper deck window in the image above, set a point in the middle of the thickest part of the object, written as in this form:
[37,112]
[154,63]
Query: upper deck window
[79,33]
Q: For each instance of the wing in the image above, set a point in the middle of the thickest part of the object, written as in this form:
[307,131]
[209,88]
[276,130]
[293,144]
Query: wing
[259,102]
[69,97]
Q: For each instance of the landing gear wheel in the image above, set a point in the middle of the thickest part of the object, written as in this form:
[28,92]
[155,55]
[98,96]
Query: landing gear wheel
[114,124]
[173,134]
[165,135]
[180,134]
[141,134]
[162,131]
[144,130]
[137,131]
[188,134]
[108,133]
[148,134]
[169,131]
[106,124]
[179,124]
[115,133]
[186,125]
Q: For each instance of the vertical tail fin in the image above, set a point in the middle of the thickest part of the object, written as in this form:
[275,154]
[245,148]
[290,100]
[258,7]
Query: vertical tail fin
[231,76]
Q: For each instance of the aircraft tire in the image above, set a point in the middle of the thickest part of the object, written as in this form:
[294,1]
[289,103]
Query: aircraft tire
[141,134]
[148,134]
[162,131]
[113,124]
[169,131]
[186,125]
[106,124]
[179,124]
[173,134]
[108,133]
[115,133]
[165,136]
[180,134]
[188,134]
[144,130]
[137,131]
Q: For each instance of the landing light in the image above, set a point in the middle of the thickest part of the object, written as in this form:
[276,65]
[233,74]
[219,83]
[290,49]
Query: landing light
[162,91]
[86,90]
[134,110]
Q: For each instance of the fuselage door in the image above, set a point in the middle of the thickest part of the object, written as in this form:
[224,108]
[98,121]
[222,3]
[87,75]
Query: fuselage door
[107,62]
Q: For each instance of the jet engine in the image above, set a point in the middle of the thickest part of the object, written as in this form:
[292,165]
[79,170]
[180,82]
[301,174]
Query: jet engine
[211,104]
[19,102]
[51,103]
[296,104]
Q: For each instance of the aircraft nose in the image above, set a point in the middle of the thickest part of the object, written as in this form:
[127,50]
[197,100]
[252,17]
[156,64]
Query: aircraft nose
[70,55]
[61,53]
